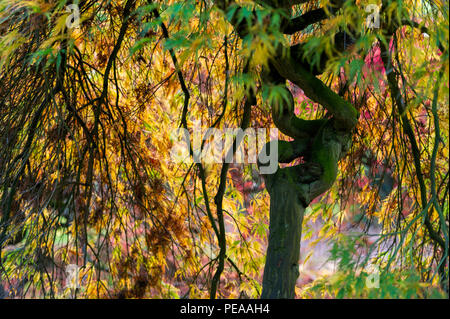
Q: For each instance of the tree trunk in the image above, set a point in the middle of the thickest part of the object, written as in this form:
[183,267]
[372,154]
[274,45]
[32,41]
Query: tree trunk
[286,216]
[291,189]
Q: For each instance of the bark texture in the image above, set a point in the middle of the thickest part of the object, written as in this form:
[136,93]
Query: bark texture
[286,216]
[291,189]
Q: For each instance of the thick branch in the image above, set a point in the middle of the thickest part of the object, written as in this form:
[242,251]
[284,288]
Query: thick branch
[300,23]
[283,110]
[344,113]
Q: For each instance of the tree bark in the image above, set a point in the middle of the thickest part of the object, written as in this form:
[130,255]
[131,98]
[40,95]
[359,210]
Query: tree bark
[291,190]
[286,216]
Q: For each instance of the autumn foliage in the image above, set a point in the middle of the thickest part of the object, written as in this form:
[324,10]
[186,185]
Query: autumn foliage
[87,116]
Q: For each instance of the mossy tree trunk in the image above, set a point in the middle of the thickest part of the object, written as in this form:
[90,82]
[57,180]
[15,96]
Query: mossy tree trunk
[286,216]
[291,190]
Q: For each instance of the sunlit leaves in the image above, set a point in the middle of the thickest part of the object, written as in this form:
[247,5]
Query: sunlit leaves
[144,231]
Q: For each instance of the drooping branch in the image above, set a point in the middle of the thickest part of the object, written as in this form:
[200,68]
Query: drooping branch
[218,199]
[407,128]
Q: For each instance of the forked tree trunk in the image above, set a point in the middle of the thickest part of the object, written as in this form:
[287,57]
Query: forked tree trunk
[291,189]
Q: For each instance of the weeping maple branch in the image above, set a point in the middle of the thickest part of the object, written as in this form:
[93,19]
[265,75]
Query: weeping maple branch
[398,101]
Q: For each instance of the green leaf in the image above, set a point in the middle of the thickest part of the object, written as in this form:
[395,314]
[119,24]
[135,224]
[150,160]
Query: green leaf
[139,45]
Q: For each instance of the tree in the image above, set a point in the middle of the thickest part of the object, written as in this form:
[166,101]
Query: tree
[321,142]
[85,112]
